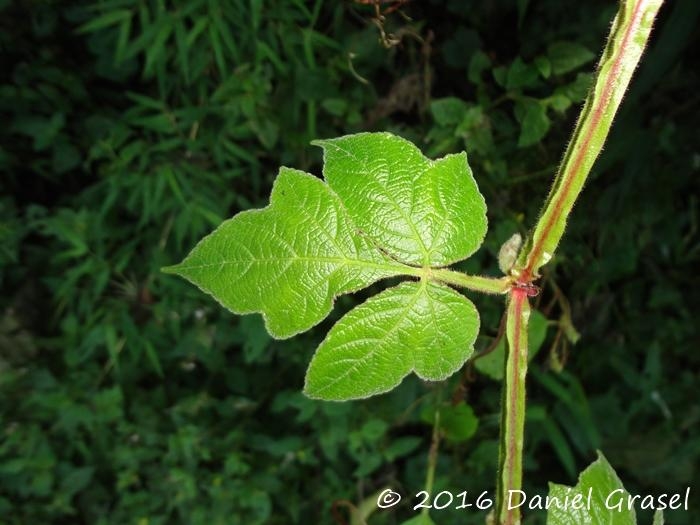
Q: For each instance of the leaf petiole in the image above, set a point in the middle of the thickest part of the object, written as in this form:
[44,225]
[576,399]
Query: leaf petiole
[477,283]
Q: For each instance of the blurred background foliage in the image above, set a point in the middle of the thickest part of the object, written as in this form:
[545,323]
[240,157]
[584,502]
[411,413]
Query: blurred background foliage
[131,128]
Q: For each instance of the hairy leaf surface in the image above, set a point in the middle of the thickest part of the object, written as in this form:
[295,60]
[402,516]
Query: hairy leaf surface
[422,211]
[384,210]
[598,482]
[289,260]
[416,326]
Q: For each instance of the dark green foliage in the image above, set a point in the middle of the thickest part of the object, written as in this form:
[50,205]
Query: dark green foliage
[130,129]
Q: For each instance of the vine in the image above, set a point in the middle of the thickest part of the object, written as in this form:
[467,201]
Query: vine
[385,210]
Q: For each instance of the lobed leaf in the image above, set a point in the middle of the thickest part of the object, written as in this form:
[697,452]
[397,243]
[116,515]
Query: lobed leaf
[595,485]
[421,326]
[421,211]
[385,210]
[289,260]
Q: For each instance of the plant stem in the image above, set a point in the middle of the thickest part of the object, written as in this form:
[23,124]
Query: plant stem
[432,458]
[513,411]
[473,282]
[628,37]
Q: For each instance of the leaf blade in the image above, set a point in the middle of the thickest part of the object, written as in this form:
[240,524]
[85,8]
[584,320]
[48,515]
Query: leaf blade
[289,260]
[423,212]
[598,482]
[416,326]
[567,56]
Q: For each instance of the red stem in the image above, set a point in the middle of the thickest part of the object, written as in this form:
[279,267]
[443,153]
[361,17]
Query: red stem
[573,168]
[514,427]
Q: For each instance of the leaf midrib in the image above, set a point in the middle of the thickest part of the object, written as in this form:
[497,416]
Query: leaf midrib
[402,213]
[421,290]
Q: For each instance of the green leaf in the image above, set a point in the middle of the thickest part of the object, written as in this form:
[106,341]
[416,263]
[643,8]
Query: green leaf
[182,49]
[335,106]
[492,363]
[567,56]
[457,422]
[448,111]
[499,75]
[576,91]
[223,29]
[420,211]
[157,48]
[401,447]
[521,75]
[374,429]
[544,66]
[535,124]
[559,102]
[479,63]
[255,339]
[218,50]
[385,210]
[595,485]
[107,19]
[289,260]
[416,326]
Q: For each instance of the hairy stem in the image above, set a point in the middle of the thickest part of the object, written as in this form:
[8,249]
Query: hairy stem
[477,283]
[628,37]
[513,409]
